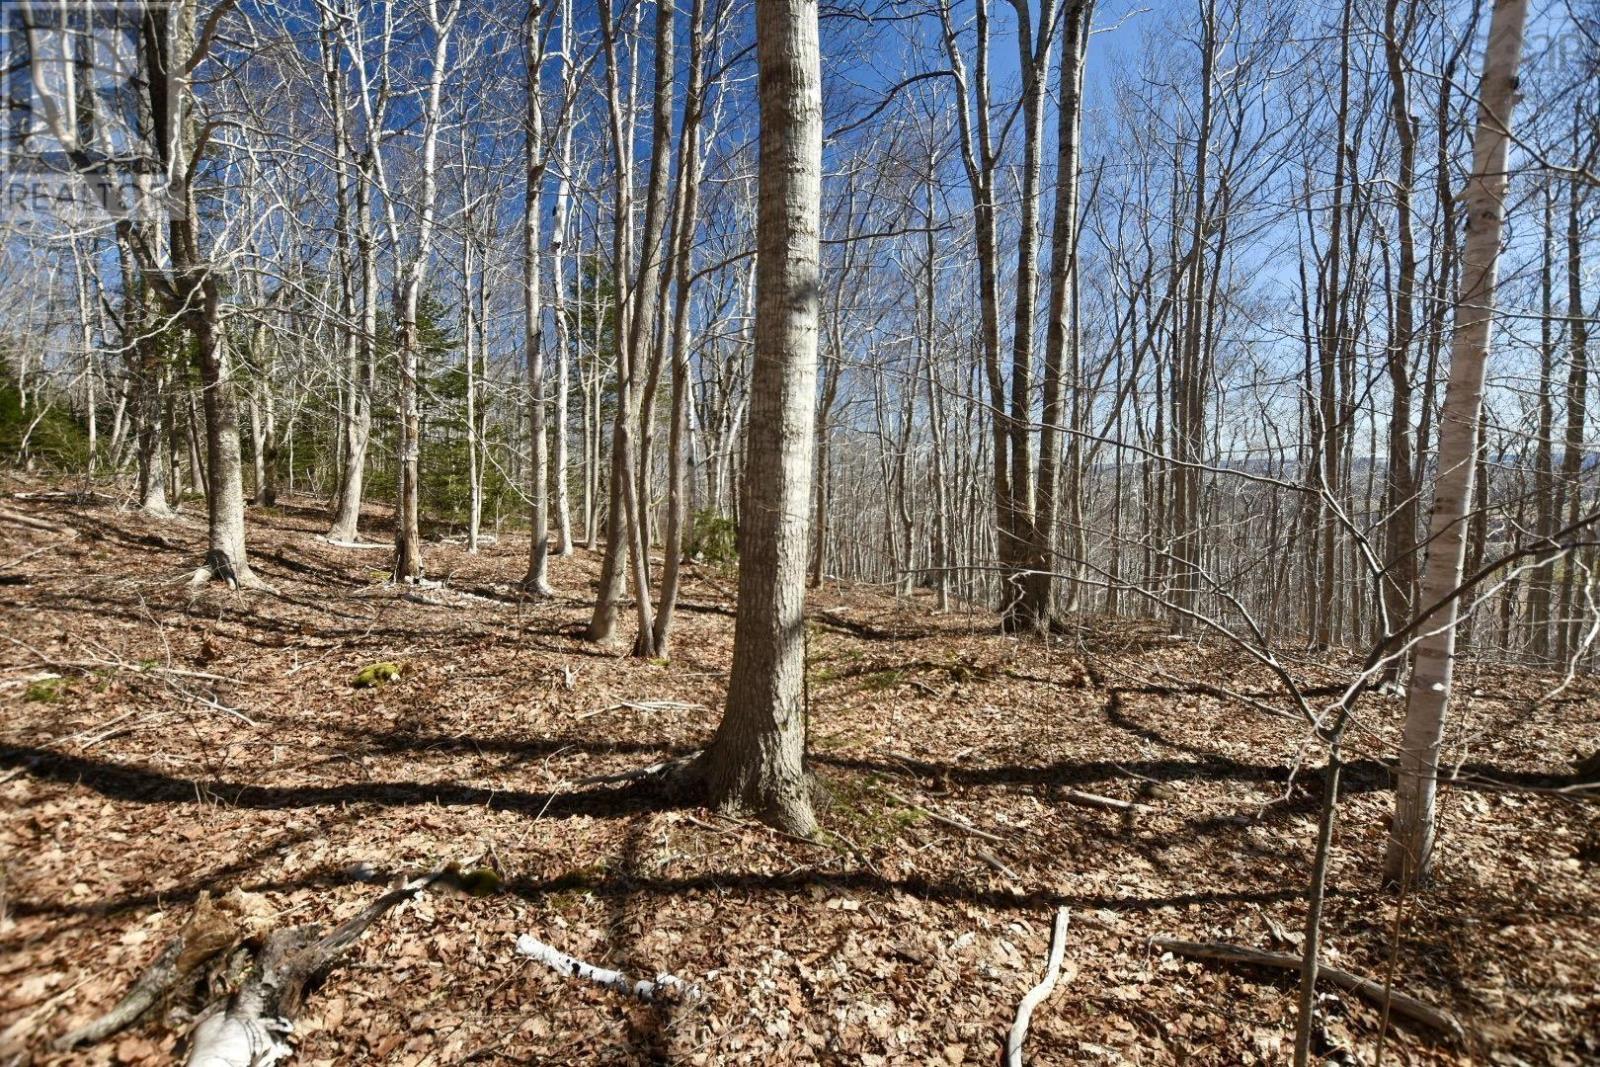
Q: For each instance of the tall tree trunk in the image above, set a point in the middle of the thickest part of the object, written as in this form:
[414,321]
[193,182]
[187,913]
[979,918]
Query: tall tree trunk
[979,160]
[1410,852]
[469,354]
[1569,628]
[226,558]
[940,554]
[361,351]
[564,331]
[756,761]
[1033,51]
[684,229]
[537,578]
[1400,500]
[1191,363]
[147,374]
[408,535]
[1061,341]
[407,519]
[622,501]
[1540,582]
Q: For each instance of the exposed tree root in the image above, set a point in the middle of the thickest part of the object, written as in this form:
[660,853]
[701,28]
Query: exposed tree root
[218,567]
[673,773]
[1400,1005]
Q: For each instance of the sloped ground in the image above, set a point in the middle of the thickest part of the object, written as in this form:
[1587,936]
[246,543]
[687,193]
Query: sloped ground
[124,793]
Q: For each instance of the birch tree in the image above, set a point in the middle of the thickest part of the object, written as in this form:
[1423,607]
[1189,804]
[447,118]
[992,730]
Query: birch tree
[1410,851]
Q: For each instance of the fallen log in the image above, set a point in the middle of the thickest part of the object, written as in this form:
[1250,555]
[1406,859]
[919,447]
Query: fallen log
[641,989]
[248,1029]
[361,546]
[211,930]
[1400,1005]
[1036,995]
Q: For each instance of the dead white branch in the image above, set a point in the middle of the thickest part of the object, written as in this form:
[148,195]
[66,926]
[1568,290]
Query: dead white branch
[1036,995]
[1095,800]
[642,989]
[248,1029]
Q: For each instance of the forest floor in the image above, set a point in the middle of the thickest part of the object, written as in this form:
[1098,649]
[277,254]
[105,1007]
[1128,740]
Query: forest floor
[125,792]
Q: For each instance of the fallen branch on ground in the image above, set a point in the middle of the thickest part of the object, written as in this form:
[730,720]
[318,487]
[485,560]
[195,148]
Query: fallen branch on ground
[944,820]
[17,517]
[248,1029]
[1036,995]
[994,861]
[645,706]
[642,989]
[1401,1005]
[1095,800]
[655,770]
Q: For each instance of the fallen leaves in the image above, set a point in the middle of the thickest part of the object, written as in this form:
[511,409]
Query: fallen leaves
[895,944]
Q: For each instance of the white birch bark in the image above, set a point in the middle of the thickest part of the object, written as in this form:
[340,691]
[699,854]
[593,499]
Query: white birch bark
[1411,841]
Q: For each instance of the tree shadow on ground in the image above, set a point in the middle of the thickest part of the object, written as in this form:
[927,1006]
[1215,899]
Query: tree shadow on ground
[802,882]
[648,1024]
[142,786]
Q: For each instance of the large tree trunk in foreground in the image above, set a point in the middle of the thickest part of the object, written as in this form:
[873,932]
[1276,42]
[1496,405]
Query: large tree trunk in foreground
[756,762]
[1410,851]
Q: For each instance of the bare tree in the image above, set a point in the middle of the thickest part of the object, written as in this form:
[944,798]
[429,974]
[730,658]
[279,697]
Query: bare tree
[537,580]
[1410,850]
[756,761]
